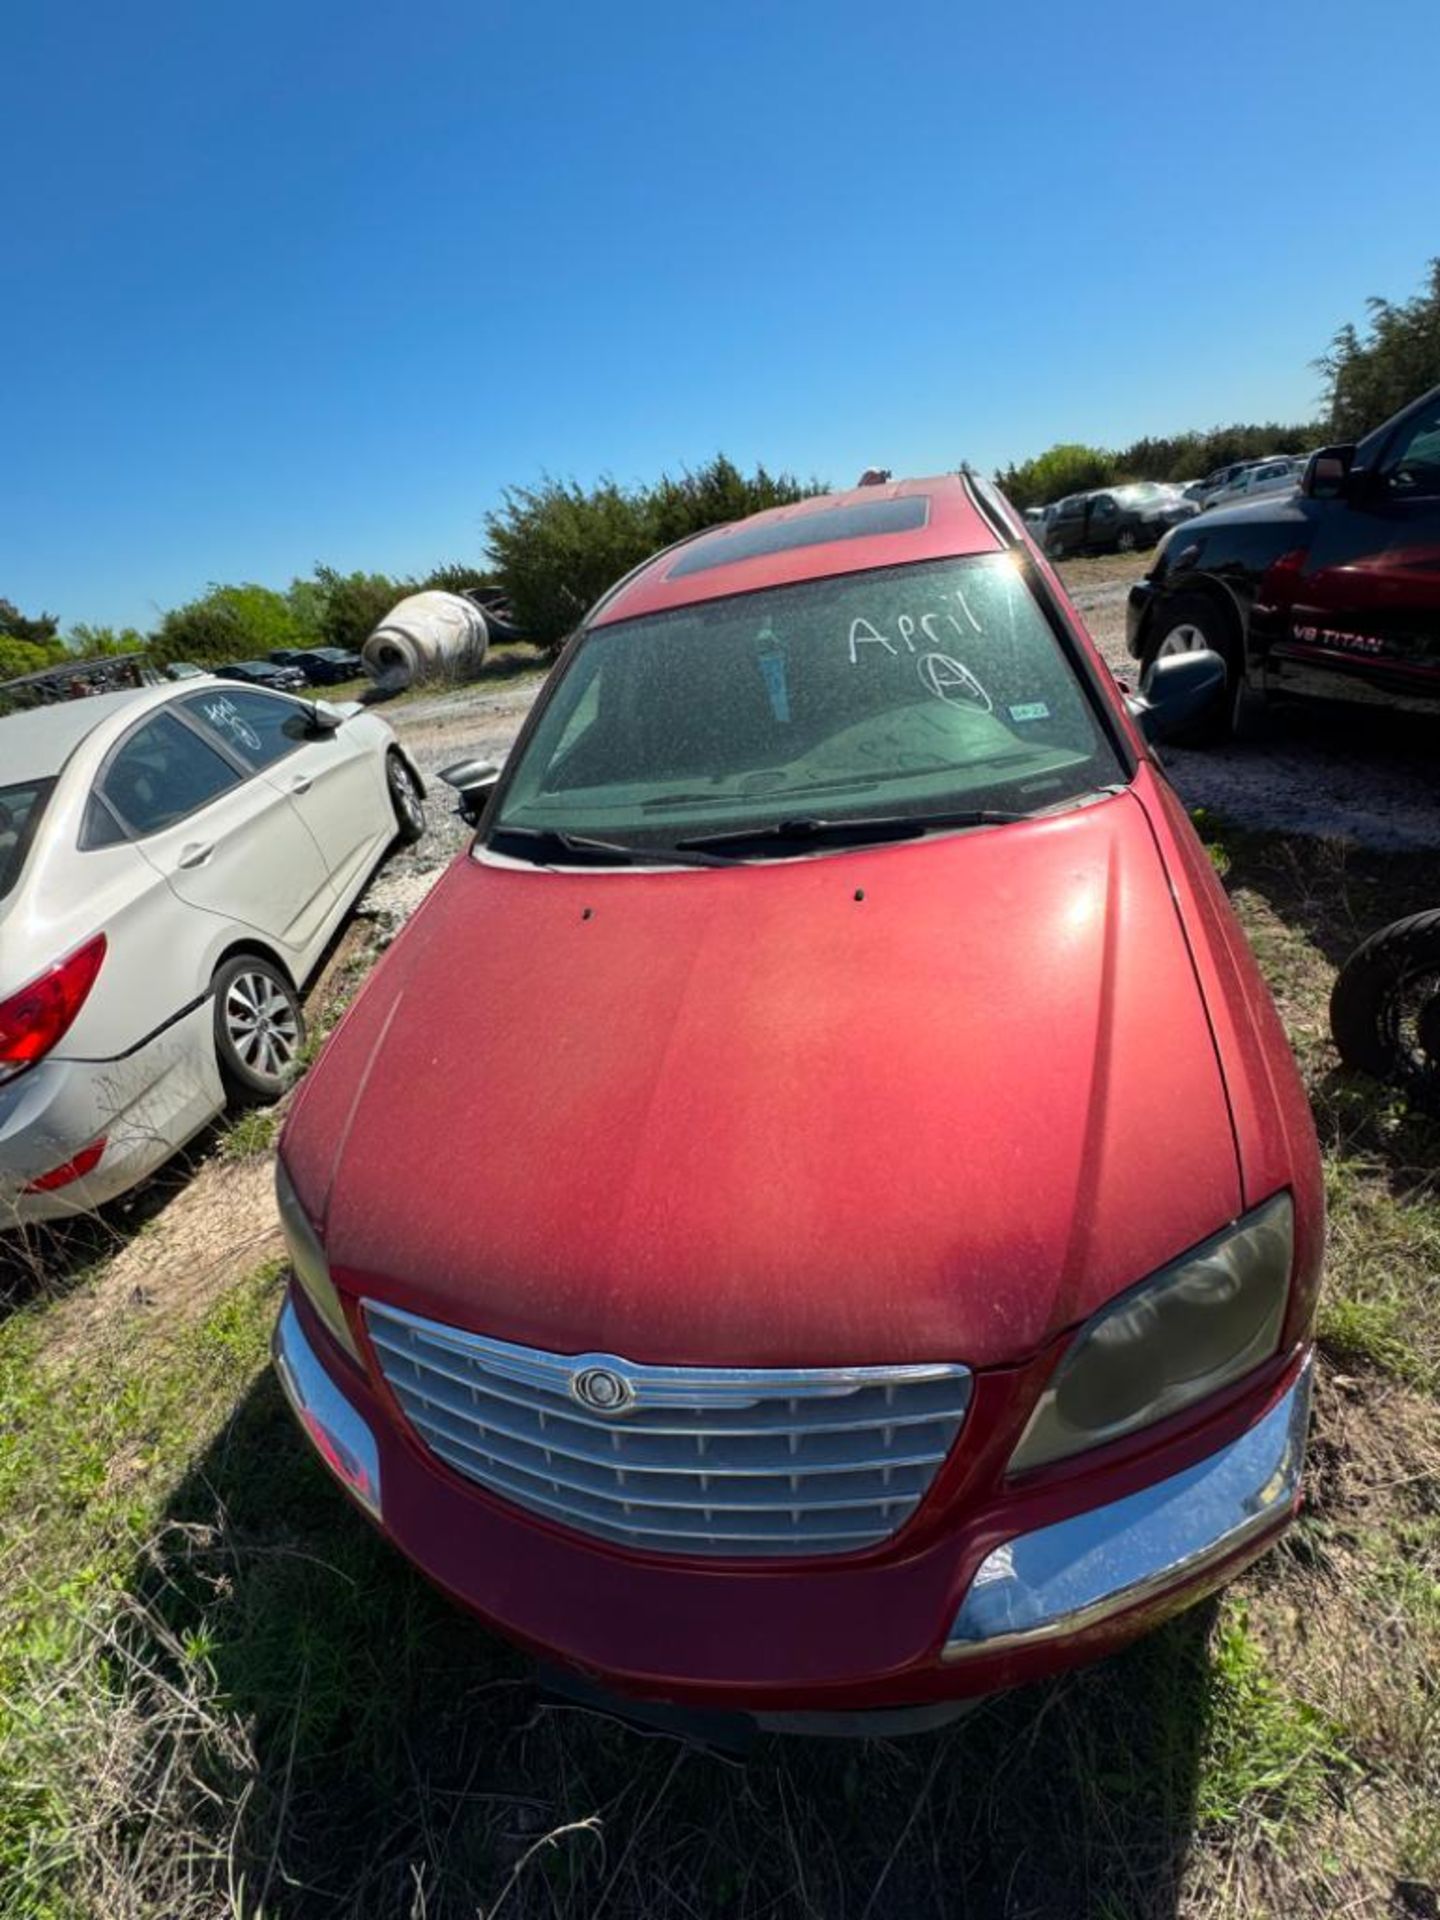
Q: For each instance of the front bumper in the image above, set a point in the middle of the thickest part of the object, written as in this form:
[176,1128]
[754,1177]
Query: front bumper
[986,1606]
[1137,611]
[1059,1579]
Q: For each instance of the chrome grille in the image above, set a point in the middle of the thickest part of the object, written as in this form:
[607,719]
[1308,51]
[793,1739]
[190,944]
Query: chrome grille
[700,1461]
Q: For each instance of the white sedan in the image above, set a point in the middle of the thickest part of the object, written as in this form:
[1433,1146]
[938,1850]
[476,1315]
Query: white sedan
[173,863]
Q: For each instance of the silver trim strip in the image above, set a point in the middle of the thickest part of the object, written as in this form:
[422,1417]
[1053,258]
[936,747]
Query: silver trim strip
[665,1386]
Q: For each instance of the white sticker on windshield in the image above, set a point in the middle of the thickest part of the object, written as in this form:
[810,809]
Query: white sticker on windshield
[1032,710]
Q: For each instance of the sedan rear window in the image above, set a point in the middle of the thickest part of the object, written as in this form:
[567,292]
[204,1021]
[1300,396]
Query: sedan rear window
[909,689]
[20,810]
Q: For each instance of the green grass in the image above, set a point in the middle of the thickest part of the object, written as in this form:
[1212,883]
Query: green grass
[221,1693]
[251,1134]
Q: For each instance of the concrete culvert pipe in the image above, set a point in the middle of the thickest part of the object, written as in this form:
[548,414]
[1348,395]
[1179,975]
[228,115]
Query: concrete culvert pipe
[427,636]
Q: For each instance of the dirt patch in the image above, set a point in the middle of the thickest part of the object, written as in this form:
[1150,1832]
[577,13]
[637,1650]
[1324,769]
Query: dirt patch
[217,1228]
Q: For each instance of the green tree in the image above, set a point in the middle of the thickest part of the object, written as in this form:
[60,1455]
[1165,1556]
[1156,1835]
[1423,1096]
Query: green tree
[1190,456]
[205,631]
[354,604]
[1072,468]
[25,656]
[1066,468]
[93,643]
[38,630]
[716,493]
[557,546]
[306,600]
[1369,376]
[456,576]
[232,623]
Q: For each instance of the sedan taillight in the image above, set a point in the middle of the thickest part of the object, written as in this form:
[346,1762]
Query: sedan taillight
[38,1017]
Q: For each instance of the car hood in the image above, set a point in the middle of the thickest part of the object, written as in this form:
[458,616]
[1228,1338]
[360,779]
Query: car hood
[936,1100]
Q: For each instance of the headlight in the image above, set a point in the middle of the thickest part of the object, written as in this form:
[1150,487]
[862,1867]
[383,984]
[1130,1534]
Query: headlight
[307,1258]
[1184,1333]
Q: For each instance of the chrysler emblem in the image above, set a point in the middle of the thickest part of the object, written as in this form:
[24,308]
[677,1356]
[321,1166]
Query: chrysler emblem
[601,1390]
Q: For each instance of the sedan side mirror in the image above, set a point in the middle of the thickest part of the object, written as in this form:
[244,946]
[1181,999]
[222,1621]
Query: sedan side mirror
[474,781]
[326,716]
[1178,691]
[1327,475]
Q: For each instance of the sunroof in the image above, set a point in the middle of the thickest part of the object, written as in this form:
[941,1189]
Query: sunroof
[857,522]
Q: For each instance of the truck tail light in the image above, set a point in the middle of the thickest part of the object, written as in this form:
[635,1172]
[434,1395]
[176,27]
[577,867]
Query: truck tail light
[38,1017]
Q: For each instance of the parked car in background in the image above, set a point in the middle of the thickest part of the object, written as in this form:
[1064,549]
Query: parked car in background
[875,1356]
[1114,519]
[321,666]
[263,673]
[1225,476]
[1266,476]
[184,670]
[172,865]
[1330,591]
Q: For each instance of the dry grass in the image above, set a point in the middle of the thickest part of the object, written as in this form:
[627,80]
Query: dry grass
[221,1694]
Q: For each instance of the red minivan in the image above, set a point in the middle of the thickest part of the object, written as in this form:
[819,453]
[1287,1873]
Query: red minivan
[816,1215]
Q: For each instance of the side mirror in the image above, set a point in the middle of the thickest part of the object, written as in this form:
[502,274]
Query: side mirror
[1327,476]
[325,718]
[1178,691]
[474,781]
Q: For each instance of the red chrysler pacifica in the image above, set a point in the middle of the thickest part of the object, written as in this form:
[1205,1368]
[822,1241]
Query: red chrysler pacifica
[816,1215]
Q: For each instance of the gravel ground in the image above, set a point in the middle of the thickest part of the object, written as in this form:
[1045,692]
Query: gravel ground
[476,722]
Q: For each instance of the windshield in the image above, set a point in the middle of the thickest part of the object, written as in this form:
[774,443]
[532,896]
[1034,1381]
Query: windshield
[20,810]
[901,692]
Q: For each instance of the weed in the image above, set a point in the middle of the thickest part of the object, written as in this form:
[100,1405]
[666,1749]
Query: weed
[250,1135]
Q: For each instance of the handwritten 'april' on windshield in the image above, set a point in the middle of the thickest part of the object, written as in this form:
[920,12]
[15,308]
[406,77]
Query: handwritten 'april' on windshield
[864,633]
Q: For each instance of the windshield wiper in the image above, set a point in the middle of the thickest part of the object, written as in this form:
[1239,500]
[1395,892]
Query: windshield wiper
[810,831]
[609,853]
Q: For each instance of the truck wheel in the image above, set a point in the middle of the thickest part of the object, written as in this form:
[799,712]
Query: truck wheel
[1385,1007]
[1191,623]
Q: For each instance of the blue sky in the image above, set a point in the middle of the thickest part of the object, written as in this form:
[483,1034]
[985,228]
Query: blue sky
[297,282]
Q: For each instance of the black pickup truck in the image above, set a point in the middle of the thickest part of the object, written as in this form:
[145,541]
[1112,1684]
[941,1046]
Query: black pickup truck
[1331,592]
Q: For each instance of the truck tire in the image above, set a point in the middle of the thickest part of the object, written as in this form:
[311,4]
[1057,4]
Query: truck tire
[1192,623]
[1385,1007]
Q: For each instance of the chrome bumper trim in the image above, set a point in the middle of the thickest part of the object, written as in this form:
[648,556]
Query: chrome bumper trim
[341,1438]
[1065,1577]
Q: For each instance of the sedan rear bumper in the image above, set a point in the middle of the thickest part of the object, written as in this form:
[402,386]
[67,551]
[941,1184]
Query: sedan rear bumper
[992,1603]
[145,1106]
